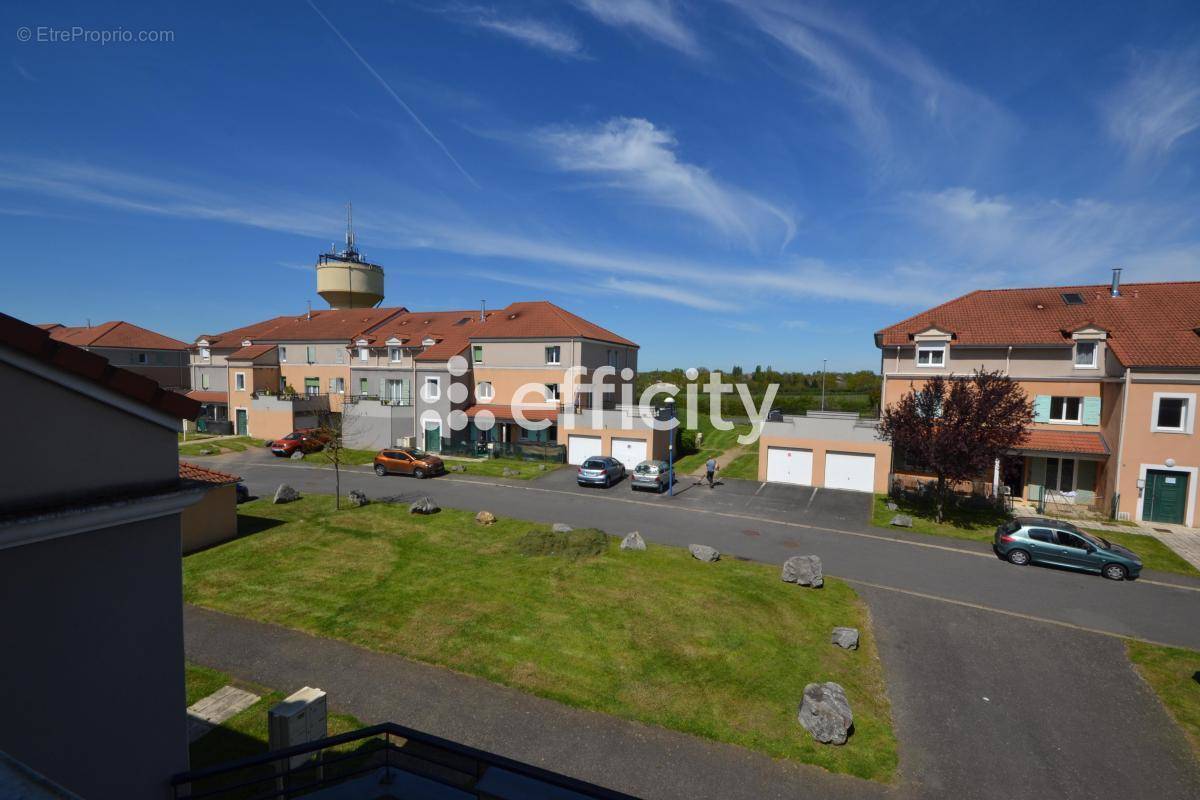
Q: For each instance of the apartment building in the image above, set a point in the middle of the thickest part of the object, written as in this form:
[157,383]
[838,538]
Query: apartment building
[130,347]
[429,379]
[1114,375]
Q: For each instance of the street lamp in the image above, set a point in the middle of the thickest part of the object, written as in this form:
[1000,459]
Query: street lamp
[824,361]
[671,450]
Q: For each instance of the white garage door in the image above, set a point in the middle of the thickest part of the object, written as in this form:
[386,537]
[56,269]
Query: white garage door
[789,465]
[629,452]
[581,448]
[855,471]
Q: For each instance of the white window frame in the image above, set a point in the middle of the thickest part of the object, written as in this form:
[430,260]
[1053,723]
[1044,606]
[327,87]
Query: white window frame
[204,380]
[1189,412]
[337,385]
[205,354]
[553,392]
[310,353]
[932,347]
[556,350]
[476,354]
[1095,354]
[239,381]
[395,354]
[282,354]
[435,381]
[364,354]
[1058,474]
[484,390]
[1064,421]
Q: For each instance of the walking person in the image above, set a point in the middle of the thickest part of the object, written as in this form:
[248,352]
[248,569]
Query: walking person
[710,470]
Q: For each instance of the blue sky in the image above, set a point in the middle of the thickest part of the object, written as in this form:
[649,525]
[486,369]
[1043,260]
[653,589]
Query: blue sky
[749,182]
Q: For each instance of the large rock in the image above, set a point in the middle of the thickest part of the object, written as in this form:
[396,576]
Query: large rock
[702,552]
[285,494]
[902,520]
[297,455]
[485,518]
[892,506]
[846,638]
[560,527]
[633,541]
[358,499]
[457,468]
[425,505]
[804,571]
[825,713]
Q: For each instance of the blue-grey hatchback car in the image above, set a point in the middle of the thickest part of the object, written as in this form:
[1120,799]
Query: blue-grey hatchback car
[1038,540]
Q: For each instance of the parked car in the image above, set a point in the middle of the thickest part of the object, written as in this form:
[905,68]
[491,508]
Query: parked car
[600,471]
[654,475]
[408,461]
[306,440]
[1036,540]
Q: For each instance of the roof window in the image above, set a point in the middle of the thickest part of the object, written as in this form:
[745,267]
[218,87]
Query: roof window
[1072,298]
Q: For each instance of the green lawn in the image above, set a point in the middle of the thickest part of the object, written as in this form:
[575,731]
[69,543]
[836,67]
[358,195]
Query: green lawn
[744,467]
[712,444]
[719,650]
[244,734]
[192,436]
[494,467]
[1174,674]
[236,444]
[980,525]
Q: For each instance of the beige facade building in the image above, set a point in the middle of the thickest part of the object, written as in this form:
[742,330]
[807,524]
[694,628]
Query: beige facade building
[130,347]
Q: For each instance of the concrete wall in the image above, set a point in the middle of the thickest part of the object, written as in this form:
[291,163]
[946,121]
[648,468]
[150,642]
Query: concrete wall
[823,433]
[91,684]
[1025,362]
[615,423]
[54,433]
[211,521]
[218,377]
[370,425]
[167,367]
[272,418]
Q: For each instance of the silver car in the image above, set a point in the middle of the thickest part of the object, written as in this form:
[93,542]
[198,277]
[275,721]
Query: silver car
[600,471]
[654,475]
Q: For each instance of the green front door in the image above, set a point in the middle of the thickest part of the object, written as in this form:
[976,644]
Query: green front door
[433,439]
[1165,497]
[241,422]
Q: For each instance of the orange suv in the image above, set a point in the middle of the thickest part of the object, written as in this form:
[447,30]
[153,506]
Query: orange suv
[306,440]
[408,461]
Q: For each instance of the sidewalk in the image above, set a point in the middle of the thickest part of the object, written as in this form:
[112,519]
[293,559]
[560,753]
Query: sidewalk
[637,759]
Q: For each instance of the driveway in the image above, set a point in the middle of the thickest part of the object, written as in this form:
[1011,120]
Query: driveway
[1065,715]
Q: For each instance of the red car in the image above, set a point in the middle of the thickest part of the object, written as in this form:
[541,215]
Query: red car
[306,440]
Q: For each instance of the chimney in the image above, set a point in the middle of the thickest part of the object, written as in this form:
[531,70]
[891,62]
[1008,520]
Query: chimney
[483,310]
[308,316]
[1116,283]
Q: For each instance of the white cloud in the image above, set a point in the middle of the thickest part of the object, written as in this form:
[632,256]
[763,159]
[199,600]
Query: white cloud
[635,156]
[743,327]
[672,293]
[653,18]
[794,324]
[535,33]
[1157,105]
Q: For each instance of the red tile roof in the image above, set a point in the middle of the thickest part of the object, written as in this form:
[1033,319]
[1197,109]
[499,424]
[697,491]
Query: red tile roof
[38,344]
[540,319]
[112,334]
[201,396]
[1149,325]
[250,353]
[235,337]
[1044,441]
[195,472]
[505,413]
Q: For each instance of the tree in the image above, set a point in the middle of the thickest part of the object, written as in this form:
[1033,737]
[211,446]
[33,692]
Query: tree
[956,428]
[334,428]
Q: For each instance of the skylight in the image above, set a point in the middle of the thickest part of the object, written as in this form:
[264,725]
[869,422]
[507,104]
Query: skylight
[1072,298]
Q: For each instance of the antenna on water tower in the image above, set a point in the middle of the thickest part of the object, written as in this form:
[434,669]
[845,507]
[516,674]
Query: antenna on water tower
[349,227]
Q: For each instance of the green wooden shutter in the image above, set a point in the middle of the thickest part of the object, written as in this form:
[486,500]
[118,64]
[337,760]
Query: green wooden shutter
[1091,411]
[1041,408]
[1037,478]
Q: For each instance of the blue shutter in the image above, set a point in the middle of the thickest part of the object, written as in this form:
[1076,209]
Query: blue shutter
[1091,411]
[1041,408]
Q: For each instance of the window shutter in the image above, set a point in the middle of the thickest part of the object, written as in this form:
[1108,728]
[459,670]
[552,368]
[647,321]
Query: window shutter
[1037,477]
[1041,408]
[1091,411]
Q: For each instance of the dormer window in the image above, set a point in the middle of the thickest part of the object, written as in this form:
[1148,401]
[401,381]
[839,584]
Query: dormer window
[1085,355]
[364,354]
[205,354]
[931,354]
[395,354]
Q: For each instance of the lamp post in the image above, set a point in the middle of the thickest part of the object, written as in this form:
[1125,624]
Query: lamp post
[824,361]
[671,450]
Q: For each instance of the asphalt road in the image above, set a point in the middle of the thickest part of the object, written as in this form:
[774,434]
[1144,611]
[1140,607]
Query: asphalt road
[1065,715]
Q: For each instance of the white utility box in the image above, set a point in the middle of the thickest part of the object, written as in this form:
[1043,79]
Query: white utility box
[298,719]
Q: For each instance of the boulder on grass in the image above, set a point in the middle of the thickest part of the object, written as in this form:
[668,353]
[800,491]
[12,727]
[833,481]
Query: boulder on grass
[358,499]
[633,541]
[485,518]
[892,506]
[285,494]
[702,552]
[560,527]
[541,467]
[425,505]
[458,468]
[825,713]
[803,571]
[297,455]
[846,638]
[902,520]
[510,473]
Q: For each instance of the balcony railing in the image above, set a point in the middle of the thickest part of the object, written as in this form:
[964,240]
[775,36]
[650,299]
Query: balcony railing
[383,401]
[404,759]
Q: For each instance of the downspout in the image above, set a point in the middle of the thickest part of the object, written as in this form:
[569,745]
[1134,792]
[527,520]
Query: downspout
[1008,362]
[1121,446]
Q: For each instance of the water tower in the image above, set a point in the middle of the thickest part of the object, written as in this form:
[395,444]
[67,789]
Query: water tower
[345,279]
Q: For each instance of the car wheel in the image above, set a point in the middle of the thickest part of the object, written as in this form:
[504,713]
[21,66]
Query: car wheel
[1114,572]
[380,470]
[418,473]
[607,481]
[1018,557]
